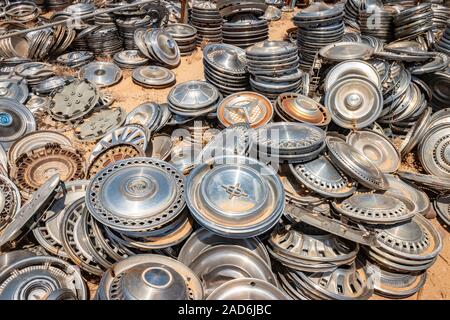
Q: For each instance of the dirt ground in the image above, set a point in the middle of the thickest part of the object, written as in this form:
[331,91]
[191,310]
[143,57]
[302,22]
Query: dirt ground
[128,95]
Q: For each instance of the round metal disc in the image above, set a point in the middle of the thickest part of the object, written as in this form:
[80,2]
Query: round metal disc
[149,277]
[303,109]
[323,178]
[202,239]
[15,121]
[351,68]
[35,140]
[401,188]
[134,134]
[378,149]
[136,194]
[14,89]
[103,74]
[153,76]
[354,102]
[234,196]
[245,107]
[247,289]
[356,165]
[32,208]
[442,207]
[193,95]
[434,151]
[164,47]
[346,50]
[221,263]
[377,208]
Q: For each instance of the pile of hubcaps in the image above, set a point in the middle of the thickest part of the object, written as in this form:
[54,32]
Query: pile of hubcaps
[273,66]
[193,98]
[158,45]
[301,169]
[102,74]
[318,25]
[185,36]
[208,22]
[149,277]
[244,25]
[289,142]
[229,196]
[140,199]
[130,59]
[225,66]
[153,77]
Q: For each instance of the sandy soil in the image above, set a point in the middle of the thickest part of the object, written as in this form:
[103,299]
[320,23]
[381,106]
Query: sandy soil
[128,95]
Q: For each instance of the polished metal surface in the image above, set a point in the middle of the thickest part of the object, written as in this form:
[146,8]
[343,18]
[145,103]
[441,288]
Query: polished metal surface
[32,208]
[355,164]
[168,150]
[193,98]
[342,51]
[102,74]
[434,151]
[410,191]
[247,289]
[202,240]
[38,277]
[228,197]
[16,89]
[15,121]
[248,107]
[297,107]
[351,68]
[149,276]
[354,102]
[323,178]
[305,248]
[377,208]
[408,247]
[377,148]
[136,194]
[220,263]
[153,77]
[442,207]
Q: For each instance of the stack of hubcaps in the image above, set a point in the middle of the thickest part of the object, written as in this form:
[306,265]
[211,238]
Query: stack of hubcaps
[130,59]
[185,36]
[229,196]
[245,107]
[208,22]
[413,21]
[303,248]
[149,277]
[158,45]
[153,77]
[288,142]
[318,25]
[273,66]
[225,66]
[244,30]
[193,98]
[139,202]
